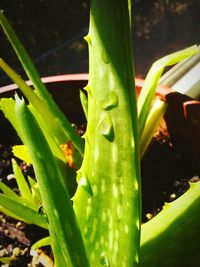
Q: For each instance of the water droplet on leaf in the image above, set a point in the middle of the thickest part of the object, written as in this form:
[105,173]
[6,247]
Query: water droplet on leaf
[104,260]
[110,102]
[83,181]
[106,128]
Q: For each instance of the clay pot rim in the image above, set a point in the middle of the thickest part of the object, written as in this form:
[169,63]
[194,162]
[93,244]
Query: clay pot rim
[161,91]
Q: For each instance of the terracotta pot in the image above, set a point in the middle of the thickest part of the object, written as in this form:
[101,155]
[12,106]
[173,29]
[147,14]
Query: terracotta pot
[57,85]
[182,117]
[70,84]
[177,158]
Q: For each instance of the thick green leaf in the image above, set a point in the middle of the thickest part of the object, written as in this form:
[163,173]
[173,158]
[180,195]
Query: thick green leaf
[164,239]
[107,202]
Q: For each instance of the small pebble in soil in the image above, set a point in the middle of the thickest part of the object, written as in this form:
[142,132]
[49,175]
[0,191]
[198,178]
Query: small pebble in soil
[149,216]
[194,179]
[10,177]
[172,197]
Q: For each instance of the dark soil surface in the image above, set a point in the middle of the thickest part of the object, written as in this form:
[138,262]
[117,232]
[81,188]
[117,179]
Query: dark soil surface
[165,177]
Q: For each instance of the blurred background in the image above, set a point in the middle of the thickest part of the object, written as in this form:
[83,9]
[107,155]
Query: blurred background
[52,32]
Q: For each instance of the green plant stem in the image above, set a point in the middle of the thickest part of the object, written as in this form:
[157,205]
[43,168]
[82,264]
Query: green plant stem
[107,202]
[65,235]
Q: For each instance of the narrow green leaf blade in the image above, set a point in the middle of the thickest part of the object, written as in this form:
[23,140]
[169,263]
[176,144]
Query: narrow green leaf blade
[22,211]
[21,182]
[9,192]
[63,227]
[7,105]
[46,241]
[157,111]
[61,132]
[40,88]
[148,91]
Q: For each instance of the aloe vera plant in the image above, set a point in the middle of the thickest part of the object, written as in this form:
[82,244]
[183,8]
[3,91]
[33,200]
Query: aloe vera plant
[101,224]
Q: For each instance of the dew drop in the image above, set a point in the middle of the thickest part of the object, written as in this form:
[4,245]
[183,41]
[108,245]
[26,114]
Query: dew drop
[41,211]
[106,128]
[104,260]
[83,181]
[110,102]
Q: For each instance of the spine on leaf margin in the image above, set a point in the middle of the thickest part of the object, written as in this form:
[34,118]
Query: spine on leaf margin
[107,202]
